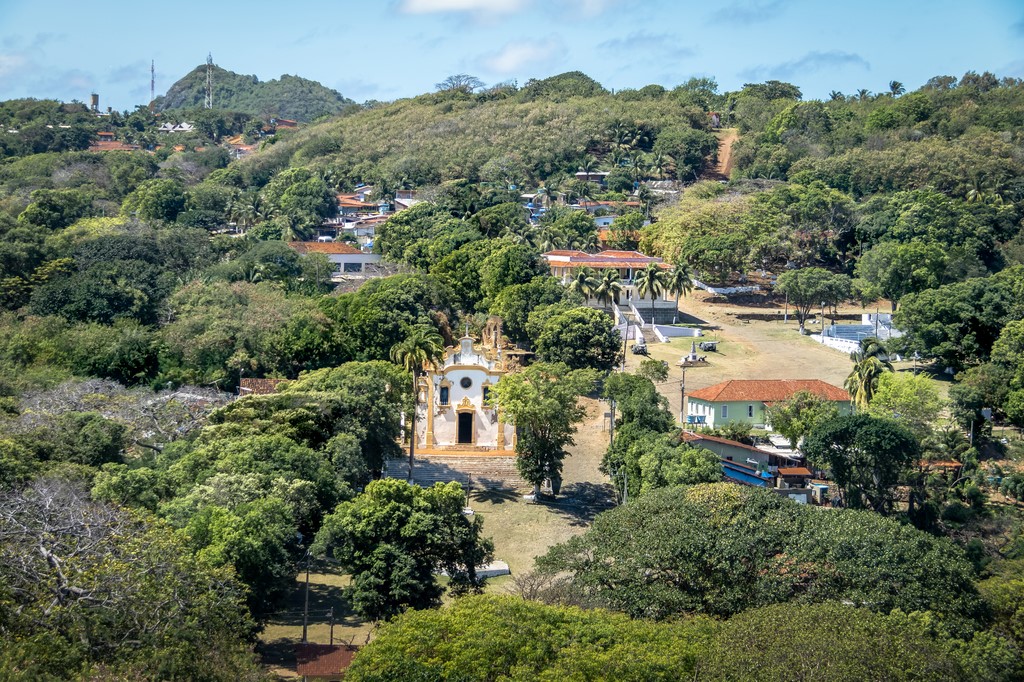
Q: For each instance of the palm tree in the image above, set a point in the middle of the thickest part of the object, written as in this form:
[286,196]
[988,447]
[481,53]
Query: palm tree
[650,280]
[609,287]
[637,167]
[863,380]
[588,164]
[836,96]
[660,165]
[584,282]
[546,195]
[863,94]
[870,347]
[422,346]
[679,282]
[896,88]
[587,242]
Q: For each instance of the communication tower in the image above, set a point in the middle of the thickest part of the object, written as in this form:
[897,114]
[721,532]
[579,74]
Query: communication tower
[209,81]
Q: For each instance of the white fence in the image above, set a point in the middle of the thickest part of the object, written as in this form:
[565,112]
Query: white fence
[726,290]
[844,345]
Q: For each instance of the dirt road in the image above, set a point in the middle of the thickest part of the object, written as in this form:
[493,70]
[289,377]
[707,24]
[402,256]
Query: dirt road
[726,138]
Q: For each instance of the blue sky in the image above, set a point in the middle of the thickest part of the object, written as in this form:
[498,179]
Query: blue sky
[387,49]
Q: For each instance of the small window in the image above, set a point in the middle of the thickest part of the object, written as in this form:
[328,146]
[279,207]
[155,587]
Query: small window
[725,411]
[465,382]
[750,411]
[444,395]
[487,393]
[353,267]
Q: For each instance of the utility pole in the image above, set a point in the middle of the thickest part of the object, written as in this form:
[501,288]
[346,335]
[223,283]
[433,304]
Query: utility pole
[611,424]
[682,398]
[305,610]
[331,615]
[625,340]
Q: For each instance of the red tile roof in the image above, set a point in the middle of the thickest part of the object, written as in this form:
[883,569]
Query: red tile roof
[349,202]
[112,146]
[563,258]
[324,660]
[600,264]
[324,247]
[695,438]
[768,390]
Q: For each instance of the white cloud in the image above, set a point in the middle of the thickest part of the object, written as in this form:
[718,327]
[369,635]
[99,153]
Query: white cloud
[591,8]
[473,6]
[515,56]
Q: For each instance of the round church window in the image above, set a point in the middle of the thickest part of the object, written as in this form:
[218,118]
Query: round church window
[466,382]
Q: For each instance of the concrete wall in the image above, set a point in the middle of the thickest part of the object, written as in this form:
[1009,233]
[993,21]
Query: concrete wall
[664,332]
[726,290]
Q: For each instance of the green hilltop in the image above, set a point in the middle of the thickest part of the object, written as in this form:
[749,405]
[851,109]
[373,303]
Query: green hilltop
[289,97]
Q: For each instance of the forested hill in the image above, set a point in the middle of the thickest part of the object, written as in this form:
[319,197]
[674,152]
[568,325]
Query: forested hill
[290,97]
[542,132]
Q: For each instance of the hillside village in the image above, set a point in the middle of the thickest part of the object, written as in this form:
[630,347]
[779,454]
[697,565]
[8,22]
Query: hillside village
[287,398]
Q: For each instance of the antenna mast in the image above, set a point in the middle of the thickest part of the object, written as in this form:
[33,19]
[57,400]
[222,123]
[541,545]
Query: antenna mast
[152,82]
[209,81]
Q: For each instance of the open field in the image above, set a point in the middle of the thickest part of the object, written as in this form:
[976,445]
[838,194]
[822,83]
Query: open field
[747,349]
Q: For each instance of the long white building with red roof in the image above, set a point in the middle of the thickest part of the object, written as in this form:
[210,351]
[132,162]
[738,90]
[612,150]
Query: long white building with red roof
[745,400]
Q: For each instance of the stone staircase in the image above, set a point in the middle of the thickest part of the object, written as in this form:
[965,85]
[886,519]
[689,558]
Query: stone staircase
[488,472]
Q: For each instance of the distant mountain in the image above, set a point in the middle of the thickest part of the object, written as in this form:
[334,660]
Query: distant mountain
[288,97]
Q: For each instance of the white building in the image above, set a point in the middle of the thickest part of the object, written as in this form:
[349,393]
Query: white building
[347,260]
[453,411]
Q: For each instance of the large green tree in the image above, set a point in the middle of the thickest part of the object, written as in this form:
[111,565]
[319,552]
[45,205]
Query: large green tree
[866,457]
[542,401]
[580,338]
[395,537]
[809,288]
[722,549]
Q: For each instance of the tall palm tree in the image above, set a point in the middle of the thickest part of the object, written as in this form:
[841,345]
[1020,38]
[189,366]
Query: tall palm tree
[546,195]
[609,287]
[422,346]
[896,88]
[588,164]
[863,94]
[870,347]
[637,167]
[863,380]
[583,282]
[679,282]
[836,96]
[650,280]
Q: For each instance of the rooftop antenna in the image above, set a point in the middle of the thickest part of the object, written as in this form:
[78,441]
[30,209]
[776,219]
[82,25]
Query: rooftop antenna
[209,81]
[152,82]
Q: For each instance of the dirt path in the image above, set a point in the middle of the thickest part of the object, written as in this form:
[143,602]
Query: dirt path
[726,138]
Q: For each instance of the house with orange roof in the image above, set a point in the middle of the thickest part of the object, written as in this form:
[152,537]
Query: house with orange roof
[351,204]
[744,401]
[347,261]
[566,263]
[112,146]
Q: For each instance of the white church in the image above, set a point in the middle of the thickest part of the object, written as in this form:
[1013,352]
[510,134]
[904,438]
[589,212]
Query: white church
[453,413]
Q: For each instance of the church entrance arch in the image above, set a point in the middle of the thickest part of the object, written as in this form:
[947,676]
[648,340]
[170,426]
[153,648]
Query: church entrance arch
[465,428]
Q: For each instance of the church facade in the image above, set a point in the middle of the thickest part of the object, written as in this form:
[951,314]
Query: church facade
[454,410]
